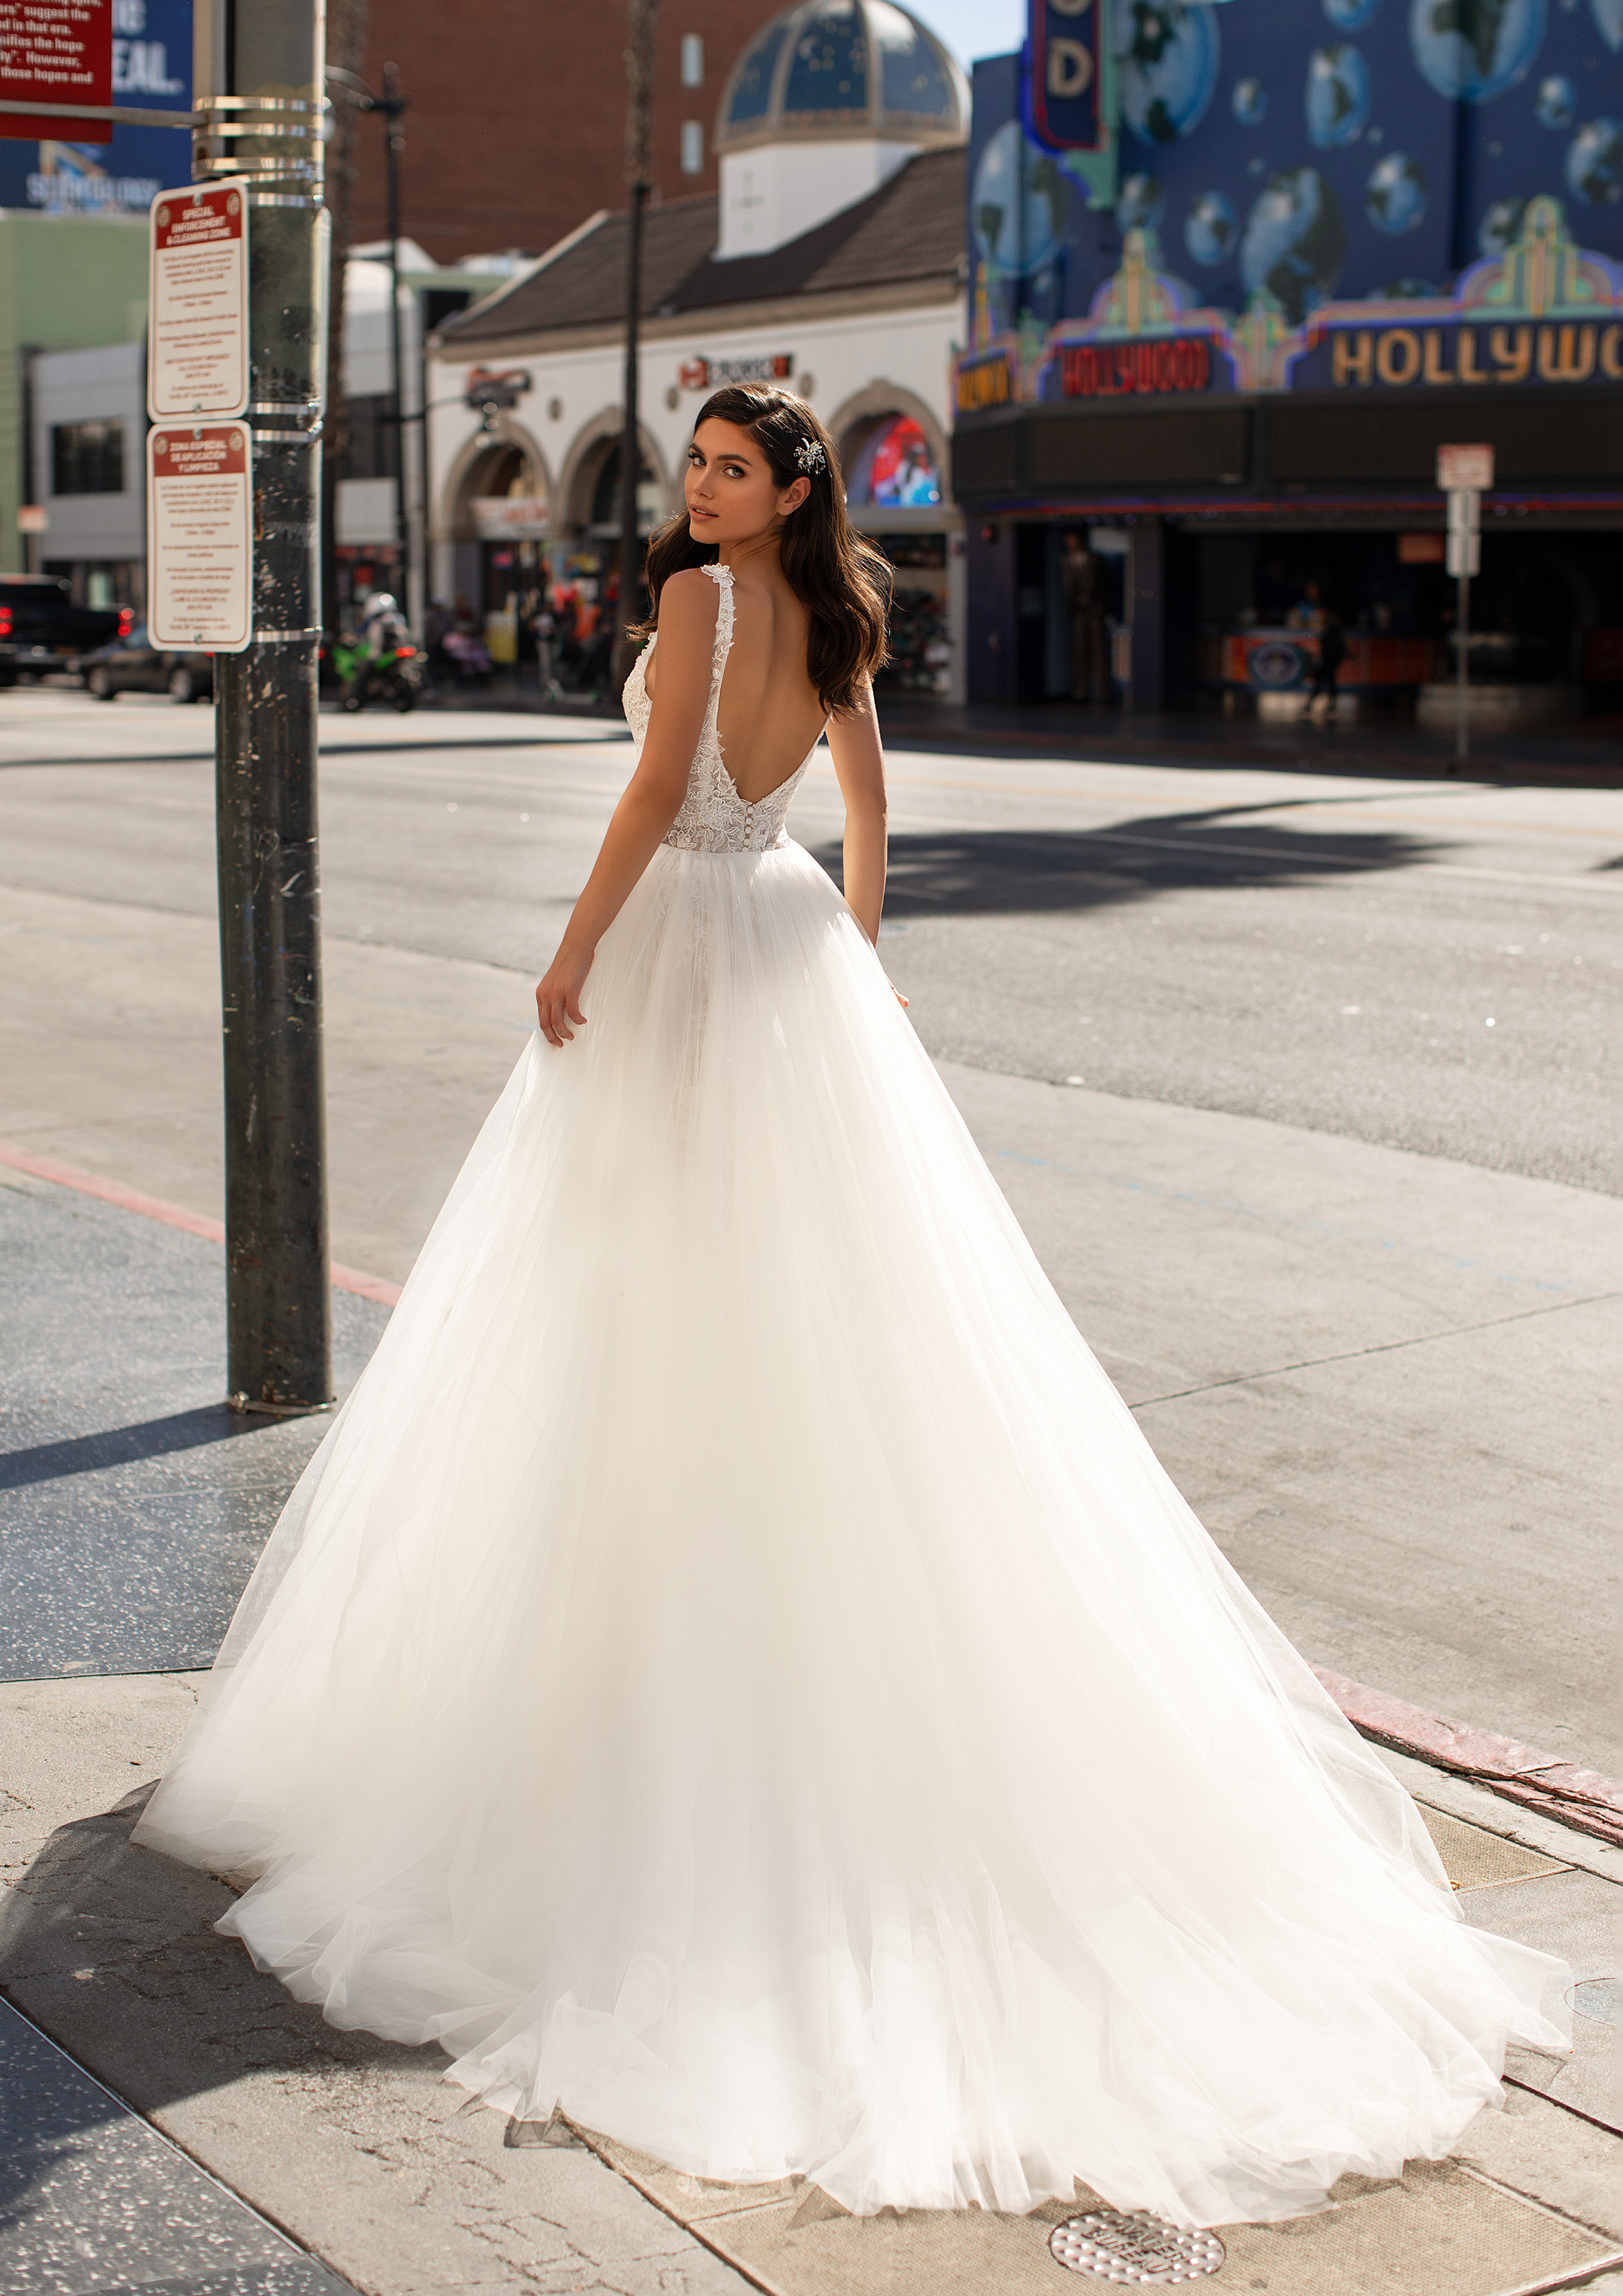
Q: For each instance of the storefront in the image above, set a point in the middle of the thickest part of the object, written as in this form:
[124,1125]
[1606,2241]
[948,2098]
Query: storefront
[1232,376]
[848,292]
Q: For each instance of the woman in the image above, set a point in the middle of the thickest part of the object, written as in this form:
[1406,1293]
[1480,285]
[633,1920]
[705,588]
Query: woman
[735,1668]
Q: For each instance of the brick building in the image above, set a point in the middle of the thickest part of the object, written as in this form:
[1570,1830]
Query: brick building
[517,121]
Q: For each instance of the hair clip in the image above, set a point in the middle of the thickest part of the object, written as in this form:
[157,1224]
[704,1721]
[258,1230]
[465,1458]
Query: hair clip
[810,456]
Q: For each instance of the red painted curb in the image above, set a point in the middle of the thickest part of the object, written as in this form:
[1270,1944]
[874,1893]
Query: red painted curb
[131,1200]
[1581,1799]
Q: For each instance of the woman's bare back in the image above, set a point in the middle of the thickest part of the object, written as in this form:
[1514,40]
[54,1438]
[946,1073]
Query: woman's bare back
[769,715]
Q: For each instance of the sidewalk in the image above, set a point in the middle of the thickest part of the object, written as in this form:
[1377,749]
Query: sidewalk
[124,1550]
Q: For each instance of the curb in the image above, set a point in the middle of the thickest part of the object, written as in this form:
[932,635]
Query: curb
[131,1200]
[1581,1799]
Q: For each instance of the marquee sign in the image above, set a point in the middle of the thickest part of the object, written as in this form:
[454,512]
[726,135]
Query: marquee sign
[983,382]
[1174,364]
[1545,313]
[1066,77]
[1398,356]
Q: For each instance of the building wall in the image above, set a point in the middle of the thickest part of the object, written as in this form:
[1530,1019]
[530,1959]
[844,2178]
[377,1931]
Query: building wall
[66,282]
[517,122]
[853,366]
[573,399]
[106,384]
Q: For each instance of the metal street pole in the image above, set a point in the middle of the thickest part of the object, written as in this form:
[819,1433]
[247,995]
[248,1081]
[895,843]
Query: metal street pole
[258,83]
[392,105]
[639,106]
[1463,548]
[1461,738]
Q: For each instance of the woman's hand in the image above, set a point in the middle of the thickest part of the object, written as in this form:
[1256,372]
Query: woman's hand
[897,993]
[558,995]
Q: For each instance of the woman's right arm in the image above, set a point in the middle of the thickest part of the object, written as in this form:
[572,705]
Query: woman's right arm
[859,768]
[688,608]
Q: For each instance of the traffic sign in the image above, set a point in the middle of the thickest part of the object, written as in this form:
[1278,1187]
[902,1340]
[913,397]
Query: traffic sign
[1462,467]
[56,52]
[197,360]
[200,536]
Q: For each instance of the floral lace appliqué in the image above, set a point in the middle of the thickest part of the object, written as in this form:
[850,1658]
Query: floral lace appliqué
[713,817]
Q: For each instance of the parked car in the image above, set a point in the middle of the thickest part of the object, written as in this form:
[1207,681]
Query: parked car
[133,663]
[42,629]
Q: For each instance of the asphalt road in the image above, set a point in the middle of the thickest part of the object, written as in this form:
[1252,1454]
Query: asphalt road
[1420,964]
[1302,1086]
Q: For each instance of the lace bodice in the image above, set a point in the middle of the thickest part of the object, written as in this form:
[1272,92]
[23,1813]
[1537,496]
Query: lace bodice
[713,817]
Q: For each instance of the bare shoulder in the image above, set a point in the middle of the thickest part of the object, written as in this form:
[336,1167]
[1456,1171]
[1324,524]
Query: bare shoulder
[689,604]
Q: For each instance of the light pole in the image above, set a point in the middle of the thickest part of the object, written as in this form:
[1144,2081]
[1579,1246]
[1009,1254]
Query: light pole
[258,77]
[639,106]
[390,105]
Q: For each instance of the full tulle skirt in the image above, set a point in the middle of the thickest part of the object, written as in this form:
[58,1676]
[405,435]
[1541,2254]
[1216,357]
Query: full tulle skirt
[735,1671]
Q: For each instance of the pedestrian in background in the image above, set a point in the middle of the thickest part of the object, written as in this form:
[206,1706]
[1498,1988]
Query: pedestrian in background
[1083,572]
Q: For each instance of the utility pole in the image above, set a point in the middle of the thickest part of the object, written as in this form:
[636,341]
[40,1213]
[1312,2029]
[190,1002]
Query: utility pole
[345,51]
[639,107]
[390,105]
[257,84]
[1463,473]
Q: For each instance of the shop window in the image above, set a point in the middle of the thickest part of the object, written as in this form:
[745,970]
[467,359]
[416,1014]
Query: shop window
[919,628]
[87,458]
[692,60]
[895,469]
[373,450]
[693,147]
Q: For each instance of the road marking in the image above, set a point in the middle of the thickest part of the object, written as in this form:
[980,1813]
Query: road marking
[154,1208]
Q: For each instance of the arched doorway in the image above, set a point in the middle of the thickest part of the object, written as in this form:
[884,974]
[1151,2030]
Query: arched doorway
[499,525]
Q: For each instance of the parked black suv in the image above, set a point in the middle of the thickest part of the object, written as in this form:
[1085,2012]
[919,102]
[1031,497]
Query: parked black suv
[42,629]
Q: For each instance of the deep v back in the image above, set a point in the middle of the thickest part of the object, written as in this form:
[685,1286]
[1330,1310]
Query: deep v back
[713,817]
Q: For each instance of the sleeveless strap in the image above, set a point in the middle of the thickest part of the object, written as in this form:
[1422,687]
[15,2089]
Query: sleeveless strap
[722,577]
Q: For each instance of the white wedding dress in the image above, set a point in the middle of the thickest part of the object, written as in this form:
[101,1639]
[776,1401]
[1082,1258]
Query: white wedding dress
[735,1667]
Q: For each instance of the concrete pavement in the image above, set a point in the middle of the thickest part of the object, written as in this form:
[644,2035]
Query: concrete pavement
[1376,1372]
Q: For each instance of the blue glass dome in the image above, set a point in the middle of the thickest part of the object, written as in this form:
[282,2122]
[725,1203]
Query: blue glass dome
[835,68]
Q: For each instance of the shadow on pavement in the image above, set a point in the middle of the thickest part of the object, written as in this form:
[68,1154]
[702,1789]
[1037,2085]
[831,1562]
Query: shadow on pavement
[1020,872]
[118,1446]
[112,1951]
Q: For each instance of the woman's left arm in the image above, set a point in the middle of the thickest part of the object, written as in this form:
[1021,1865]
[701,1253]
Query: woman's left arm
[652,800]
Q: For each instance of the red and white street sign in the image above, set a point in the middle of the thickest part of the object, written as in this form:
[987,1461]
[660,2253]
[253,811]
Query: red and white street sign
[200,536]
[197,358]
[1464,470]
[56,52]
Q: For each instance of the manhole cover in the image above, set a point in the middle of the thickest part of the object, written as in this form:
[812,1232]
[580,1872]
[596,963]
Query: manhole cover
[1136,2251]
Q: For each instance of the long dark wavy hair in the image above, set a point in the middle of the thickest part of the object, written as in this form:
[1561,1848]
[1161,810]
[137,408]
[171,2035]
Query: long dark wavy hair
[841,580]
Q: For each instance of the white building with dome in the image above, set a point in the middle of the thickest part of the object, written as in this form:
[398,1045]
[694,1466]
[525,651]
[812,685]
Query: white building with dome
[831,260]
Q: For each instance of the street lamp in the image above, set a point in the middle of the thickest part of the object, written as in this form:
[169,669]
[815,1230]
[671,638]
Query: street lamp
[390,105]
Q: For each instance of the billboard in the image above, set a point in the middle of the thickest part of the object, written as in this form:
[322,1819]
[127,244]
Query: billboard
[152,71]
[1341,194]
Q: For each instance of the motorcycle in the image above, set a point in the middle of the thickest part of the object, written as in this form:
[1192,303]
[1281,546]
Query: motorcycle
[393,674]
